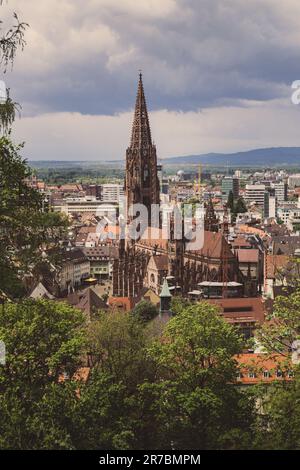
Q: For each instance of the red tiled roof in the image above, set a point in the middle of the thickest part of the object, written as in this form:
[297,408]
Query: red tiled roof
[214,245]
[153,237]
[274,263]
[248,256]
[240,241]
[240,310]
[122,303]
[253,365]
[161,262]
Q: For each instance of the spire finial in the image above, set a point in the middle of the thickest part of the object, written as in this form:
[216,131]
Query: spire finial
[140,74]
[141,134]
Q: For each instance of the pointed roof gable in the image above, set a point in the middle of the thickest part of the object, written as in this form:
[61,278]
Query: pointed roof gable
[40,292]
[214,246]
[90,301]
[141,133]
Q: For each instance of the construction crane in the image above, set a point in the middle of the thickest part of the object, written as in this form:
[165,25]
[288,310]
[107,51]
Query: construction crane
[198,186]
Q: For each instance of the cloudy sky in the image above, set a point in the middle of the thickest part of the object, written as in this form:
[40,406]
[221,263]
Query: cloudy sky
[217,75]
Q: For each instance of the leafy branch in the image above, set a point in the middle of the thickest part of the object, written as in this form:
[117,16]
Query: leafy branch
[11,41]
[8,111]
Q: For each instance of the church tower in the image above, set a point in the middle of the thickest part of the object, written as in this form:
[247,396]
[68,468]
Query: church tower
[211,223]
[141,180]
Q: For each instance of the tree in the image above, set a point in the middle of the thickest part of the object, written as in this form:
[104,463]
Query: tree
[111,413]
[279,425]
[230,201]
[118,347]
[200,408]
[283,326]
[178,304]
[145,311]
[240,206]
[102,417]
[44,342]
[26,230]
[10,41]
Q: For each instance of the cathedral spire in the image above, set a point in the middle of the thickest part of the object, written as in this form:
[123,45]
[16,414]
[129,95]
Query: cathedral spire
[141,180]
[210,219]
[141,133]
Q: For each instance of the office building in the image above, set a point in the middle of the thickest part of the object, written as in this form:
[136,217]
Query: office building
[230,184]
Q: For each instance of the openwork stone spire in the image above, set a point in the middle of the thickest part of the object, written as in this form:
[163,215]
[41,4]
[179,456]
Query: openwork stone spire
[210,219]
[141,181]
[141,133]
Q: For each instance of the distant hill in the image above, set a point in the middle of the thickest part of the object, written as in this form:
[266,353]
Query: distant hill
[257,157]
[277,156]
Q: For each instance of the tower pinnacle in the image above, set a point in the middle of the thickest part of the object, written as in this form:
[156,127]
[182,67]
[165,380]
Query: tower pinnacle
[141,133]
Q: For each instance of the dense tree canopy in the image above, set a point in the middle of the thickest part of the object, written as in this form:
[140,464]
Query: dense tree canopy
[197,369]
[25,228]
[44,342]
[145,311]
[151,385]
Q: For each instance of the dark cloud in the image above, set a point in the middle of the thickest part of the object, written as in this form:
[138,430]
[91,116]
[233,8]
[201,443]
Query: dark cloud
[83,55]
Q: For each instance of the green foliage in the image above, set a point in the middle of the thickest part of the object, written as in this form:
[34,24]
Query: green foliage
[230,201]
[199,406]
[25,228]
[43,340]
[278,334]
[278,426]
[145,311]
[296,227]
[118,346]
[178,304]
[8,111]
[173,391]
[12,40]
[240,206]
[102,418]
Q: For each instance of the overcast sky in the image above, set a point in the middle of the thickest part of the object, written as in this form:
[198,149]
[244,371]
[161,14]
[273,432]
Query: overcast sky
[217,75]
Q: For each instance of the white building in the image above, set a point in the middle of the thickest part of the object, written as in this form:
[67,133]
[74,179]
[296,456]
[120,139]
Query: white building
[270,206]
[293,222]
[86,204]
[255,194]
[284,211]
[280,191]
[294,180]
[75,268]
[111,192]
